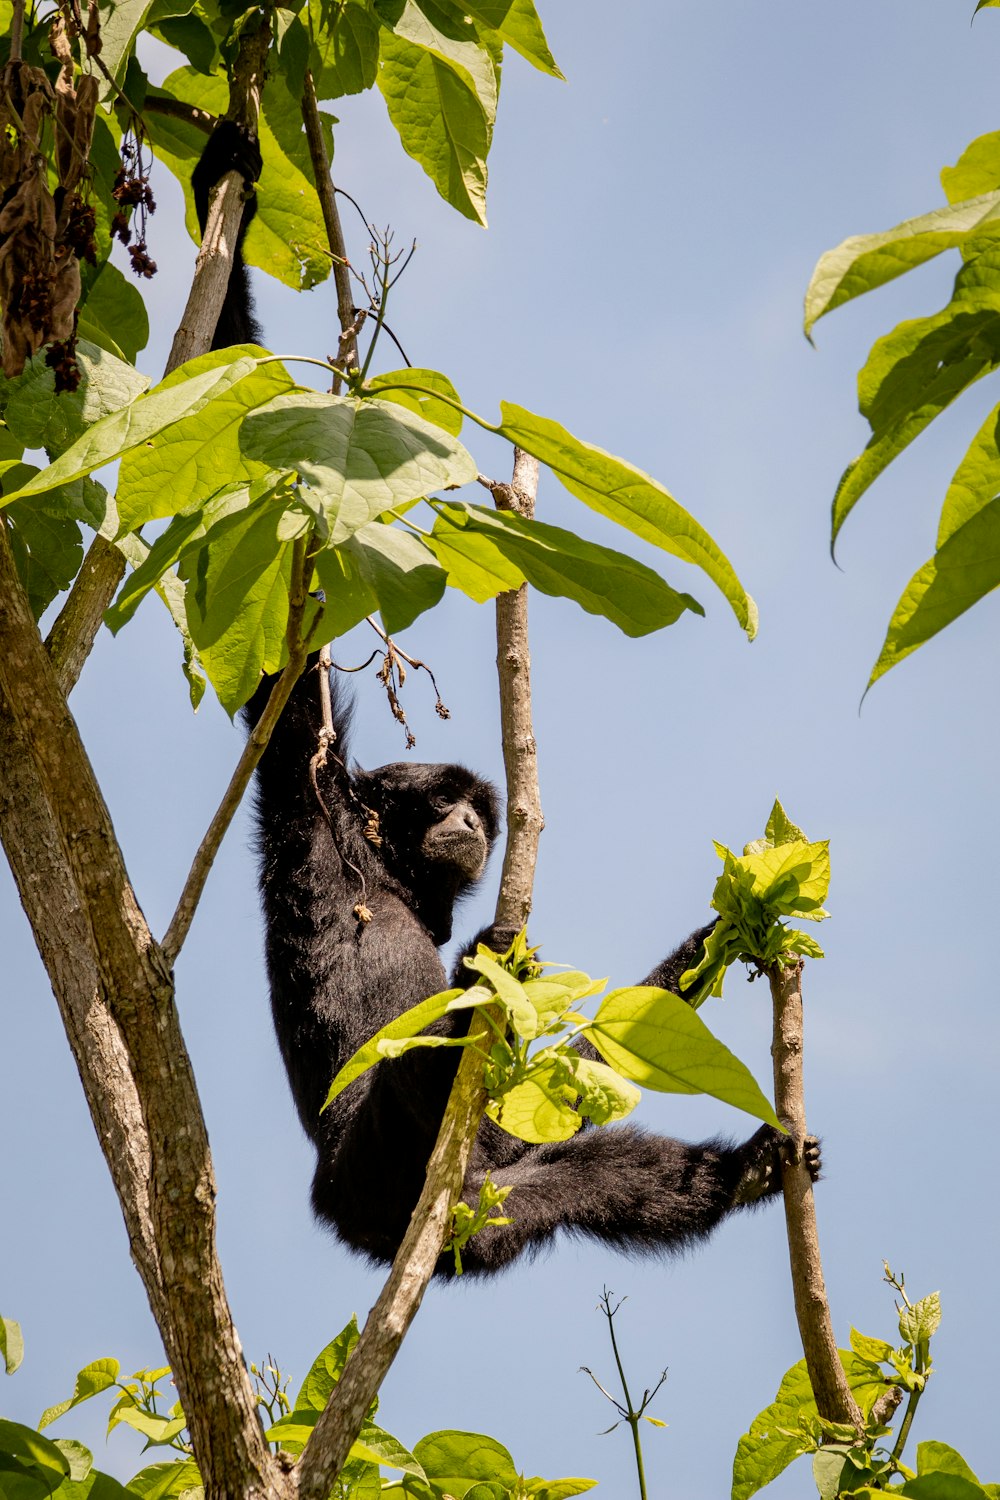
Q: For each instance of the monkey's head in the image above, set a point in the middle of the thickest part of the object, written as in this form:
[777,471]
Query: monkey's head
[437,825]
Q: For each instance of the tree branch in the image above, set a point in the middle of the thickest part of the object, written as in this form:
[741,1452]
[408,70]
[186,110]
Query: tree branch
[254,748]
[347,350]
[826,1373]
[127,1018]
[417,1257]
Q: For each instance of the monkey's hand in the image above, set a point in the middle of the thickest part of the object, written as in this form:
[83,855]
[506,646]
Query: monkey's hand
[230,148]
[763,1156]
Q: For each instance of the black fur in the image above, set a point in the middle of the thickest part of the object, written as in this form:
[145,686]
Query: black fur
[335,980]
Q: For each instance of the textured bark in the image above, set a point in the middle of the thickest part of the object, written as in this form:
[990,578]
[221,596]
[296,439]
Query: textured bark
[117,995]
[417,1257]
[520,753]
[826,1373]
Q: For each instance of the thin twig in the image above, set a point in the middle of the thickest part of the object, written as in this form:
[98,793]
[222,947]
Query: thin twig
[298,645]
[17,31]
[430,1224]
[347,351]
[834,1399]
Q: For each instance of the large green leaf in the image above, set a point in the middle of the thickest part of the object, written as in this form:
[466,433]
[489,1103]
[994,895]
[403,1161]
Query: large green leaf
[629,497]
[866,261]
[440,119]
[455,1461]
[425,400]
[916,371]
[959,574]
[360,458]
[601,580]
[141,420]
[94,1378]
[977,170]
[182,465]
[790,1426]
[411,1023]
[39,418]
[345,52]
[113,314]
[447,32]
[237,602]
[35,1452]
[655,1038]
[164,1481]
[517,23]
[399,570]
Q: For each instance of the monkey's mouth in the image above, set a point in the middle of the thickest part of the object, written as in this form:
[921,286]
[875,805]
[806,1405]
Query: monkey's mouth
[465,849]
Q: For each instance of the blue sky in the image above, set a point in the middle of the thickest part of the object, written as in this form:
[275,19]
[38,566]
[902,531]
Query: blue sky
[654,222]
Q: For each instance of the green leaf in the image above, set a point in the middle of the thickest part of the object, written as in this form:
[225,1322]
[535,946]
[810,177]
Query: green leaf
[916,371]
[158,1430]
[601,580]
[121,24]
[166,1480]
[536,1109]
[517,23]
[113,315]
[977,170]
[441,122]
[975,483]
[183,535]
[345,55]
[237,602]
[11,1344]
[629,497]
[792,878]
[510,992]
[32,1450]
[922,1320]
[376,1446]
[136,423]
[866,261]
[359,458]
[79,1458]
[655,1038]
[424,402]
[400,571]
[939,1486]
[961,573]
[94,1378]
[47,549]
[446,33]
[326,1369]
[171,591]
[790,1426]
[455,1461]
[410,1023]
[874,1350]
[349,597]
[182,465]
[38,418]
[939,1458]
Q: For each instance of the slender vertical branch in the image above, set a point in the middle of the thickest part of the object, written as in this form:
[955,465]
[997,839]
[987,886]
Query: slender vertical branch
[520,753]
[417,1257]
[257,742]
[347,352]
[17,31]
[826,1373]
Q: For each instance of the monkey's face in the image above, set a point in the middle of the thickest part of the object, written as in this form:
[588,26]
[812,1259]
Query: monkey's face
[434,821]
[457,838]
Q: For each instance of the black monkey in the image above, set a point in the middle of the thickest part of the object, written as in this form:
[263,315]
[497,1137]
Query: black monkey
[335,979]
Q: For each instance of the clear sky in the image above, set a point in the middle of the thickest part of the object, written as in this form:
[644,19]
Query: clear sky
[654,222]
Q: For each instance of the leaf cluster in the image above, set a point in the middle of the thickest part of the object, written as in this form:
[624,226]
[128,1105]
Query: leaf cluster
[459,1464]
[540,1087]
[915,372]
[780,875]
